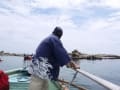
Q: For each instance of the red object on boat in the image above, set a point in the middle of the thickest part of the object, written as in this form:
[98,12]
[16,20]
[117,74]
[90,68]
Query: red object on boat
[4,83]
[27,58]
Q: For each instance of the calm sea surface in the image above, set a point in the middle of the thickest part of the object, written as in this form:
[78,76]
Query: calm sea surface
[106,69]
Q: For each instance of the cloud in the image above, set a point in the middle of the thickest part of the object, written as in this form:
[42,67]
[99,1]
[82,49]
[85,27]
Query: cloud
[16,6]
[112,3]
[62,4]
[89,26]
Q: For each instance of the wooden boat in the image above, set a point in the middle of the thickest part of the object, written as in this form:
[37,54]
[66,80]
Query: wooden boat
[19,80]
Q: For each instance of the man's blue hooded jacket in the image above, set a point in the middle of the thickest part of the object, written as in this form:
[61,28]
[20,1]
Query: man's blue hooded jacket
[52,49]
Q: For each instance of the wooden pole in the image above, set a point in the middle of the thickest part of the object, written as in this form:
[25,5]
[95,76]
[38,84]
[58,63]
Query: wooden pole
[99,80]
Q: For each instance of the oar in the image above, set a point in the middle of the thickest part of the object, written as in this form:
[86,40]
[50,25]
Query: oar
[103,82]
[73,78]
[70,83]
[72,66]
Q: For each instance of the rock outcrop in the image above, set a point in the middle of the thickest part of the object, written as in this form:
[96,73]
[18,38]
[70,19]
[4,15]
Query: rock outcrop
[78,55]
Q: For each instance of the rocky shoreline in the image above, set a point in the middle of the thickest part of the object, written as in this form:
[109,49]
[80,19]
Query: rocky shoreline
[2,53]
[75,54]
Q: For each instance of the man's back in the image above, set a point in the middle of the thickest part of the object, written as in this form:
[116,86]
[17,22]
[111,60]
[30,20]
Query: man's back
[52,49]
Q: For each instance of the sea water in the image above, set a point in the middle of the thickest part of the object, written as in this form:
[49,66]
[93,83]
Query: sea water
[106,69]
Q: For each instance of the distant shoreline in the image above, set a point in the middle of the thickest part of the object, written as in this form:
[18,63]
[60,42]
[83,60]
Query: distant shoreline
[75,55]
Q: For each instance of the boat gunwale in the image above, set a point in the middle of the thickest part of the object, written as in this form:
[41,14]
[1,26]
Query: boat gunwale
[13,71]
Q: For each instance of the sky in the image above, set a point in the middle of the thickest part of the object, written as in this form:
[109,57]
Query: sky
[90,26]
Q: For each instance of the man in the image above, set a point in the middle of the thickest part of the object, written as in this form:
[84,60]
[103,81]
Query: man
[49,57]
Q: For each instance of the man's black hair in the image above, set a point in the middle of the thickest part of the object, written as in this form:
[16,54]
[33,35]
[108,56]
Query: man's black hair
[58,32]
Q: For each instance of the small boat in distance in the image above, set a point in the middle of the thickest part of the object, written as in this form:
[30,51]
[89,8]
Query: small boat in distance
[1,60]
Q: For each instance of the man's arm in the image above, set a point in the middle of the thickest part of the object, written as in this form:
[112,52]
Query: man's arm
[60,52]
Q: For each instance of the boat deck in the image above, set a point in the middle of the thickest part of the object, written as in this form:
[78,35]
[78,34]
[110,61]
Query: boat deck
[19,80]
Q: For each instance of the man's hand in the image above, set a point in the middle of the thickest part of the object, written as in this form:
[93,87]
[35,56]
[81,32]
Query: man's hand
[66,88]
[73,65]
